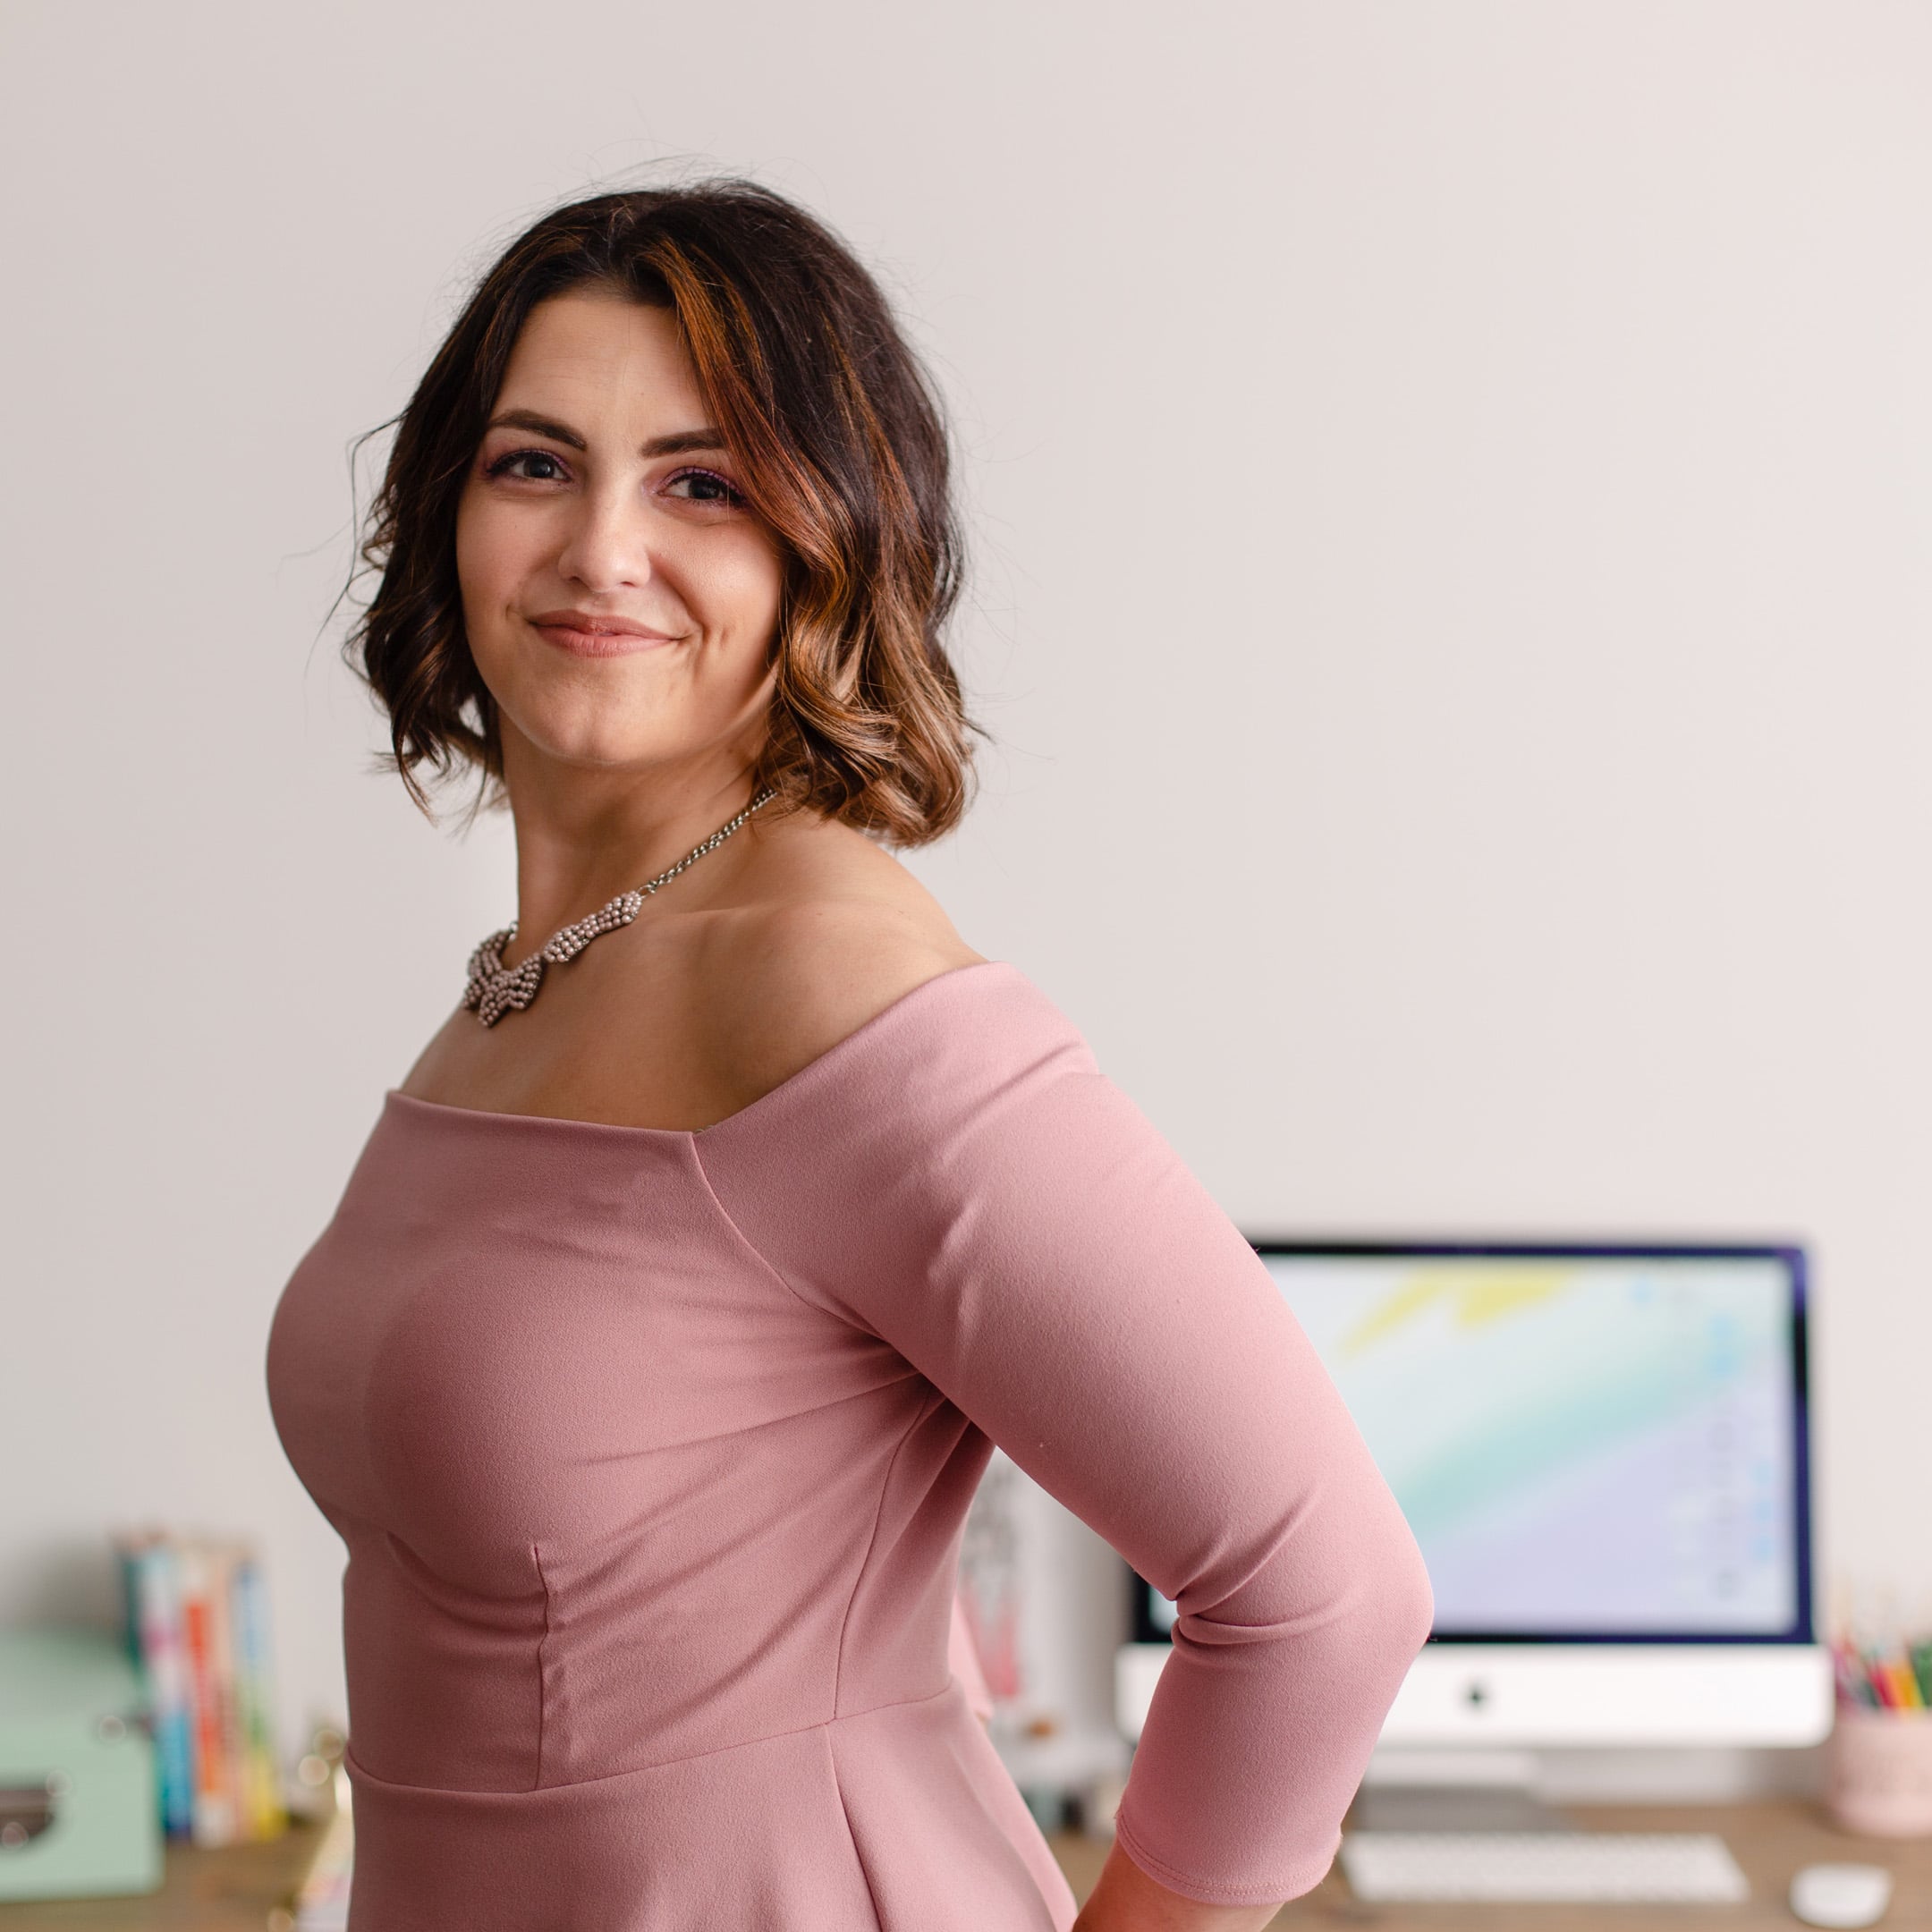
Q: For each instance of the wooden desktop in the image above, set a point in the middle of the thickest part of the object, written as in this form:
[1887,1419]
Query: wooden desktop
[241,1890]
[1770,1839]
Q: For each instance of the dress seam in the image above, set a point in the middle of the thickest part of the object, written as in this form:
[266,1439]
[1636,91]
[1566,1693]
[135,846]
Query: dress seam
[757,1254]
[851,1837]
[659,1764]
[543,1699]
[925,1409]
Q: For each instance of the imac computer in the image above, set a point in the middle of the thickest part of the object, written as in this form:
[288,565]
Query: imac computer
[1602,1451]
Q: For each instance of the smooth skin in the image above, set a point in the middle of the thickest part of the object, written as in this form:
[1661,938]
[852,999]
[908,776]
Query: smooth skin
[602,488]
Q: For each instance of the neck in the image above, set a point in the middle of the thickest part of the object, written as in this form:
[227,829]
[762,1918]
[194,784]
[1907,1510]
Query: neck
[583,837]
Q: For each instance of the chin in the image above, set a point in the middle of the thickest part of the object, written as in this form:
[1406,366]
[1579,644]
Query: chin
[596,744]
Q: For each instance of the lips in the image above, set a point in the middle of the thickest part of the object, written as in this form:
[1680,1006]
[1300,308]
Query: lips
[585,634]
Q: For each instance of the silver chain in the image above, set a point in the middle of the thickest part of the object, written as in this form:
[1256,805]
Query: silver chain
[495,990]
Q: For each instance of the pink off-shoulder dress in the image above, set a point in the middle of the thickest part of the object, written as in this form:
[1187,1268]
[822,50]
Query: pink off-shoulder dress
[652,1450]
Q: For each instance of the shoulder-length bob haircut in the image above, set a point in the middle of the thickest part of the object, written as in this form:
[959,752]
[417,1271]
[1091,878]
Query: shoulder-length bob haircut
[839,436]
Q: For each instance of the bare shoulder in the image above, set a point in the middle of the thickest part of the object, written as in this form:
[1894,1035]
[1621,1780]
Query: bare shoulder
[849,932]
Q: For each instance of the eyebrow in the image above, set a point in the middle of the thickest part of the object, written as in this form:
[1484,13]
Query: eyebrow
[679,442]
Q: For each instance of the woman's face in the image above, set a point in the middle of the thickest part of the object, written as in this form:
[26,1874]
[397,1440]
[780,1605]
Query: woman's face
[620,596]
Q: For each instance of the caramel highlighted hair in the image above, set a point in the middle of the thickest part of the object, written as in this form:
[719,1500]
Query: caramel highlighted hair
[842,448]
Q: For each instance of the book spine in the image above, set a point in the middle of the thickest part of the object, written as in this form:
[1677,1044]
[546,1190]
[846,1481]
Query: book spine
[131,1550]
[153,1641]
[227,1711]
[214,1809]
[261,1809]
[166,1666]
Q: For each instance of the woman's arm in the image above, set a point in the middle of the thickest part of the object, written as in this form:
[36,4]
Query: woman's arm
[1126,1900]
[970,1190]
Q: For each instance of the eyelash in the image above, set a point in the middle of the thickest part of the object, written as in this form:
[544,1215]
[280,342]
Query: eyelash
[733,495]
[501,467]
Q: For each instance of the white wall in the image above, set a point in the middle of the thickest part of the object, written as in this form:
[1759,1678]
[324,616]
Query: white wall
[1454,486]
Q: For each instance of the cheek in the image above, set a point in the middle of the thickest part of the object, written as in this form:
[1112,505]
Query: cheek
[489,558]
[744,584]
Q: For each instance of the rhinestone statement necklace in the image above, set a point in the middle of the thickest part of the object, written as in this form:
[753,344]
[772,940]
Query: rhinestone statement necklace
[495,988]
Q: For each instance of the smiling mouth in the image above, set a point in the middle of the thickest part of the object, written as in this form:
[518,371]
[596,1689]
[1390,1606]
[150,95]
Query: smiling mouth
[584,635]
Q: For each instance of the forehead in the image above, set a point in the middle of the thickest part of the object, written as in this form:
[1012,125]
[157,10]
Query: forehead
[591,357]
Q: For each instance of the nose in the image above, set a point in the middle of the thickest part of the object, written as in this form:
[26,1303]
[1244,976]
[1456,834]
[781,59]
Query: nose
[606,545]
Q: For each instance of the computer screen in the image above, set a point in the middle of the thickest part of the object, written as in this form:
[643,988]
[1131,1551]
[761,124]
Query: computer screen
[1590,1446]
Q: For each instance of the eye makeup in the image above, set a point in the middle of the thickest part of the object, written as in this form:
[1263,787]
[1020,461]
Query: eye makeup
[500,465]
[731,493]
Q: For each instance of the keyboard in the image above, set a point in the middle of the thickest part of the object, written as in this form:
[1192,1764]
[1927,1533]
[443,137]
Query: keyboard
[1544,1866]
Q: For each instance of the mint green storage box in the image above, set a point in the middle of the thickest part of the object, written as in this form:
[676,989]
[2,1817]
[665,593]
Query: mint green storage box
[80,1815]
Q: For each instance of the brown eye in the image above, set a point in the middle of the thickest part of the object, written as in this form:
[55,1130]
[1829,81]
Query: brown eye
[705,485]
[506,466]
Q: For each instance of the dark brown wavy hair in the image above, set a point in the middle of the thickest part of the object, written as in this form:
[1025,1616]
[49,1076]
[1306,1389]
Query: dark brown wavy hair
[839,436]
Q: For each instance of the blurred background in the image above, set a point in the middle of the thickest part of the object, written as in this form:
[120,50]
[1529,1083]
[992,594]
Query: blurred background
[1451,489]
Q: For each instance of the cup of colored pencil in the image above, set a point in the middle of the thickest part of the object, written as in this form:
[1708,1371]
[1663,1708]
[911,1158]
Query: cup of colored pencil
[1878,1765]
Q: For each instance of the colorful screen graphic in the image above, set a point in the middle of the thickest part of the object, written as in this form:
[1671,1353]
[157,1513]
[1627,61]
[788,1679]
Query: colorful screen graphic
[1598,1446]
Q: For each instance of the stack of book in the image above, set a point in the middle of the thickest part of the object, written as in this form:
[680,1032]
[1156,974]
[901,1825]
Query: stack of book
[198,1627]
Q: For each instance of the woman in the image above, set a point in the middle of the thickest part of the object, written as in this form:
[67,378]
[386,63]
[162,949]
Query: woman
[656,1349]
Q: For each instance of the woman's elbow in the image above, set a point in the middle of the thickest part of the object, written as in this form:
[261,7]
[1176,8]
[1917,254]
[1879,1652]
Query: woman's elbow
[1403,1599]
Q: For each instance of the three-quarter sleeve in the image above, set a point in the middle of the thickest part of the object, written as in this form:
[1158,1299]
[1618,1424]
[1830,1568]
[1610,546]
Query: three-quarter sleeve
[959,1180]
